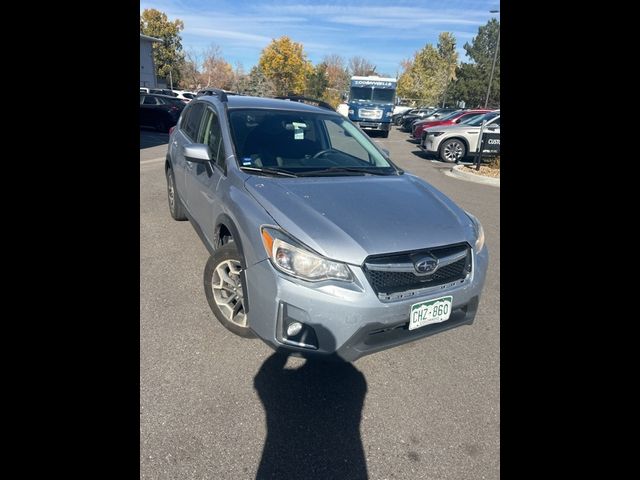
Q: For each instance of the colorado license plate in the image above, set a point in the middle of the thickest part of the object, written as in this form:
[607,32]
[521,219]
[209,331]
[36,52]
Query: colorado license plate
[432,311]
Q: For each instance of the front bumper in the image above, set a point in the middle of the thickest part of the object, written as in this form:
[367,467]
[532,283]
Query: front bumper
[430,144]
[368,125]
[348,320]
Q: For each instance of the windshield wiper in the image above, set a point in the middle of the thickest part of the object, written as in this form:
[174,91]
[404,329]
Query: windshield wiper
[341,170]
[270,171]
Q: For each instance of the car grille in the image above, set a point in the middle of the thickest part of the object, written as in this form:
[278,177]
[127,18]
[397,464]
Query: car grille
[392,274]
[369,113]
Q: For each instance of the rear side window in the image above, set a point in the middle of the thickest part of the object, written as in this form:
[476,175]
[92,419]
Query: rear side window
[192,122]
[149,100]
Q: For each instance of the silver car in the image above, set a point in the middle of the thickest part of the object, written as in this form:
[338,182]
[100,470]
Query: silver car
[454,142]
[319,244]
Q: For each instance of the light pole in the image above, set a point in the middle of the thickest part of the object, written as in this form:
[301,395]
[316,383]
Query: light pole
[493,66]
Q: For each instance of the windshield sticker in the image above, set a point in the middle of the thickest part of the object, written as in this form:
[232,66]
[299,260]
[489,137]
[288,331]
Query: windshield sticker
[246,161]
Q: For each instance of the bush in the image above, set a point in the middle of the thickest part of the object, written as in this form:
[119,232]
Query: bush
[495,162]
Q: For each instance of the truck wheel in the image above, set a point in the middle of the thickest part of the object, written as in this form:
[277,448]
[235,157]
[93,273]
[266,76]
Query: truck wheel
[224,289]
[452,150]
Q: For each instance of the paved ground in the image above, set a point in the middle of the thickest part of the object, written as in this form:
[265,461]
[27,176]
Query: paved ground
[426,410]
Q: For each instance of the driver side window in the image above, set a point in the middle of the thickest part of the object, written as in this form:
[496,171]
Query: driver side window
[211,135]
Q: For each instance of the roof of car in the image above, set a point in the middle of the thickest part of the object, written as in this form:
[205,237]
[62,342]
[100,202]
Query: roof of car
[242,101]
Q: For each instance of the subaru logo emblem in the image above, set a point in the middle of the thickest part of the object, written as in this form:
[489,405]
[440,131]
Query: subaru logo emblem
[426,265]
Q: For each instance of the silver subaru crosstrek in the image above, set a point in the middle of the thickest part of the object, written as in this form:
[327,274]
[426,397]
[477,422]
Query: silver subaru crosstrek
[319,244]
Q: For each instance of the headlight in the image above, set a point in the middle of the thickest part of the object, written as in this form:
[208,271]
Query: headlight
[435,134]
[292,258]
[479,232]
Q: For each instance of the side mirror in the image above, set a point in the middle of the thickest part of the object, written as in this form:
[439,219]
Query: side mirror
[197,152]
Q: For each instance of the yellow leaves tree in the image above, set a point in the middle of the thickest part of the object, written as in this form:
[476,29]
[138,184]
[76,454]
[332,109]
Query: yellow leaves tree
[285,64]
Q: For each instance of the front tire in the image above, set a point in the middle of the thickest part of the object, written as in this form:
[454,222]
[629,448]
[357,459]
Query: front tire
[452,151]
[224,289]
[176,209]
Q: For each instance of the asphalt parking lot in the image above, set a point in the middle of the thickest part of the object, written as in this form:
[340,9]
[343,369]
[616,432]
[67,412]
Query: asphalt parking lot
[426,410]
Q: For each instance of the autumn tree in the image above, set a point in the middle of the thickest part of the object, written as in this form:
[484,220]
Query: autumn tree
[361,66]
[167,56]
[337,79]
[428,74]
[216,71]
[189,71]
[285,64]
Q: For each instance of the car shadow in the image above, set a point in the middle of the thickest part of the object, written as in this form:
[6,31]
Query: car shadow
[313,419]
[152,138]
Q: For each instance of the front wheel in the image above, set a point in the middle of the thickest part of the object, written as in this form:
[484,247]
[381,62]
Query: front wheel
[176,209]
[225,291]
[452,151]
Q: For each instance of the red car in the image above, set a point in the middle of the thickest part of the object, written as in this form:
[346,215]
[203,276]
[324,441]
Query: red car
[451,119]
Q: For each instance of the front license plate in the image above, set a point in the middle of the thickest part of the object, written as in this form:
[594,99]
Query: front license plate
[433,311]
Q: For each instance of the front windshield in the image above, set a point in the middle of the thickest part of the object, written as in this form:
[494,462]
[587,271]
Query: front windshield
[476,122]
[303,142]
[469,118]
[449,115]
[384,95]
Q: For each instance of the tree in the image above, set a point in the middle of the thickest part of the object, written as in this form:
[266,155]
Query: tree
[285,64]
[424,77]
[216,72]
[337,79]
[473,77]
[189,73]
[317,82]
[258,84]
[167,56]
[447,51]
[361,66]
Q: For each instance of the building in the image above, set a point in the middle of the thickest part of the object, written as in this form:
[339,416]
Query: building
[147,67]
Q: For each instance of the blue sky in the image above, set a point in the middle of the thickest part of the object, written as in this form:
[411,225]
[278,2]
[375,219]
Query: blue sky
[383,31]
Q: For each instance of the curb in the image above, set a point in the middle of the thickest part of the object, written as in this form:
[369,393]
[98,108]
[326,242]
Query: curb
[471,177]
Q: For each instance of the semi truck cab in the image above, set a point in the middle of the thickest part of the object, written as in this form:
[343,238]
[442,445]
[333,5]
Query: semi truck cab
[371,102]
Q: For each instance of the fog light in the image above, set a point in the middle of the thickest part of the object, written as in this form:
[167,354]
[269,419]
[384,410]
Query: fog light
[293,329]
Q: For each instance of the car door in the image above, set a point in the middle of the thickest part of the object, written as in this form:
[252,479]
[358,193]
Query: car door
[149,112]
[186,134]
[205,181]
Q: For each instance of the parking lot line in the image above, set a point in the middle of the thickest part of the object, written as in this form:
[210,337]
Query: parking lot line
[153,160]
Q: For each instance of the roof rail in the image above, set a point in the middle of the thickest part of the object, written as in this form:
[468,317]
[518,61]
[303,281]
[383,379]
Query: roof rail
[214,91]
[307,100]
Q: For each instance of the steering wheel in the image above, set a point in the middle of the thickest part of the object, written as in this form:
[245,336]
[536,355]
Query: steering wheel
[322,152]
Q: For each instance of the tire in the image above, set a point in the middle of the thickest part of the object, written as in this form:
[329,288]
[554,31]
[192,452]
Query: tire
[225,303]
[398,121]
[385,134]
[452,151]
[176,208]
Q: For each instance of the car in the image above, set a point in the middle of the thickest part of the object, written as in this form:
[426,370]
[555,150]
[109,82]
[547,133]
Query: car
[319,244]
[163,91]
[412,115]
[409,120]
[184,95]
[159,111]
[451,119]
[452,143]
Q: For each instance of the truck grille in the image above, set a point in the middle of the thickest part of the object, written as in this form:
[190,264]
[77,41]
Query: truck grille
[395,273]
[373,114]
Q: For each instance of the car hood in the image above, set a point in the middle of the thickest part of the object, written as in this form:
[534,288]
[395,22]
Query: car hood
[349,218]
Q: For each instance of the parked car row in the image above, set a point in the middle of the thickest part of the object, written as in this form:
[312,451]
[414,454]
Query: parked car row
[183,95]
